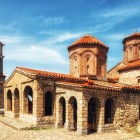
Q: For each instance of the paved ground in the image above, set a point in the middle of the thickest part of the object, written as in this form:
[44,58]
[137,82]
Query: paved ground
[8,132]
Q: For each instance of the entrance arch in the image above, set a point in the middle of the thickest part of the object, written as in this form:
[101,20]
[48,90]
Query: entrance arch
[109,110]
[28,100]
[93,114]
[16,103]
[48,104]
[9,100]
[62,111]
[72,113]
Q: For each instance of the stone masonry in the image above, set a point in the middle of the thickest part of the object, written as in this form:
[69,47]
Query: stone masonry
[85,100]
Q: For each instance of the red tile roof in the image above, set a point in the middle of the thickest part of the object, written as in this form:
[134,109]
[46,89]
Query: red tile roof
[87,40]
[134,35]
[79,82]
[51,74]
[131,65]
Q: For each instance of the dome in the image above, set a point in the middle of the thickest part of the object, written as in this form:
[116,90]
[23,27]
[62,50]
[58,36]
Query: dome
[132,36]
[87,40]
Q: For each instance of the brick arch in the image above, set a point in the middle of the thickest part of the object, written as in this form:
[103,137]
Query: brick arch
[16,102]
[110,108]
[87,52]
[28,100]
[9,100]
[88,61]
[94,107]
[75,64]
[72,113]
[74,54]
[62,111]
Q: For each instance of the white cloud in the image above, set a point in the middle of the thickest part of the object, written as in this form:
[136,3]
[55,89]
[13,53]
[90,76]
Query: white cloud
[34,54]
[6,39]
[50,21]
[67,36]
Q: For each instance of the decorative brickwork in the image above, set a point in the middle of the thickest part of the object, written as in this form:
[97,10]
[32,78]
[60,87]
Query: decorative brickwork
[88,57]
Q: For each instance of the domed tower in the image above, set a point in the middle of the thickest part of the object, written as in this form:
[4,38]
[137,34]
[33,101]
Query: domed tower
[88,57]
[132,47]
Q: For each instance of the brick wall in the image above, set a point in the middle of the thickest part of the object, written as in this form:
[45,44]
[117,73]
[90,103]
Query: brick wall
[88,60]
[130,77]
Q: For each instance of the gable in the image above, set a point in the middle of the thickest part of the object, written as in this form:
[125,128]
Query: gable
[17,79]
[113,73]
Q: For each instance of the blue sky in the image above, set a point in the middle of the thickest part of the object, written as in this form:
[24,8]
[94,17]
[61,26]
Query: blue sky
[36,33]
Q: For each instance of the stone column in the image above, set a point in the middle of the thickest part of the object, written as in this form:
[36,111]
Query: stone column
[82,117]
[58,122]
[38,101]
[67,124]
[101,116]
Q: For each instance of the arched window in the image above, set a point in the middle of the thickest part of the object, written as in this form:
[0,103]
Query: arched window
[87,69]
[130,54]
[100,67]
[87,65]
[48,104]
[75,64]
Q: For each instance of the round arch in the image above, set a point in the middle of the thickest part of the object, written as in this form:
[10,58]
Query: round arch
[109,110]
[93,114]
[16,102]
[72,113]
[28,100]
[62,111]
[9,100]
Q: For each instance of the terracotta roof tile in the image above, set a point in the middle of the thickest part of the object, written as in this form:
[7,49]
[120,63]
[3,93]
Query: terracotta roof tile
[131,65]
[134,35]
[51,74]
[88,40]
[137,88]
[104,85]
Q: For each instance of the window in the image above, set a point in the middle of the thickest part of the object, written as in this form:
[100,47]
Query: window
[87,65]
[100,66]
[75,64]
[130,54]
[87,69]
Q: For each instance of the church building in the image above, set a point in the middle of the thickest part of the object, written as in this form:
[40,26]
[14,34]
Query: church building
[88,99]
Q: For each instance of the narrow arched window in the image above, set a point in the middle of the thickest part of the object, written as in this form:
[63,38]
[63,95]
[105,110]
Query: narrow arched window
[130,54]
[75,65]
[88,69]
